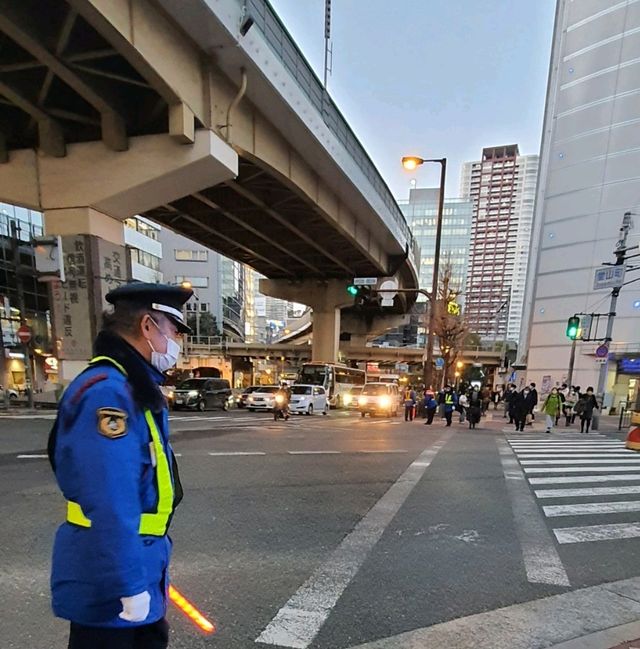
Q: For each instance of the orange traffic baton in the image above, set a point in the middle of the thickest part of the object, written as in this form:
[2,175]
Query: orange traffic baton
[190,611]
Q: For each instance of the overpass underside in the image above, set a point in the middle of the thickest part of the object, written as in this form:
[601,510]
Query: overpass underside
[259,220]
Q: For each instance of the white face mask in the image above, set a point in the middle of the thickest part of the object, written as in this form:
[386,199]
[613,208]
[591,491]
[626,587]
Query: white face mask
[164,361]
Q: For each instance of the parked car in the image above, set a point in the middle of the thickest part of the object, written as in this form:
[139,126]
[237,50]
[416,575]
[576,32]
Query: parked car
[350,399]
[379,399]
[263,398]
[241,399]
[308,399]
[202,394]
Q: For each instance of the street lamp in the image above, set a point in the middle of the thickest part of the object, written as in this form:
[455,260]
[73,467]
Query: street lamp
[188,285]
[410,163]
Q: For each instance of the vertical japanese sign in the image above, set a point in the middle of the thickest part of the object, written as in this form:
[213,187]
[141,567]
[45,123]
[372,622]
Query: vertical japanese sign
[71,303]
[112,267]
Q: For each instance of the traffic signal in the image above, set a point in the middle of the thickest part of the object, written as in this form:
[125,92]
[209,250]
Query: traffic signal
[573,327]
[352,289]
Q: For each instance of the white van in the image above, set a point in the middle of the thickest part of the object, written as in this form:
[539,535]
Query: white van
[379,399]
[307,399]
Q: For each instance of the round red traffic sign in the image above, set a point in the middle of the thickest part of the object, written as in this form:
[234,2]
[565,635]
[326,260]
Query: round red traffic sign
[24,334]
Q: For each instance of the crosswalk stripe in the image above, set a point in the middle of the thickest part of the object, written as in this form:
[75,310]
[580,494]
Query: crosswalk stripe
[568,445]
[569,462]
[571,449]
[597,533]
[612,445]
[581,479]
[582,456]
[586,491]
[584,509]
[579,469]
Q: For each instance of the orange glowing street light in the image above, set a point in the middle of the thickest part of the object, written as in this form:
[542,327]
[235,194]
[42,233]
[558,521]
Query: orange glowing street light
[186,284]
[411,162]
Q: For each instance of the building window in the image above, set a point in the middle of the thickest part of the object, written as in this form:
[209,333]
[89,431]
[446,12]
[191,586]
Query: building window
[147,259]
[191,255]
[196,282]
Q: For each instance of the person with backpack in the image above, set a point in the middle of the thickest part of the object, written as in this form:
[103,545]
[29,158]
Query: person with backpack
[588,403]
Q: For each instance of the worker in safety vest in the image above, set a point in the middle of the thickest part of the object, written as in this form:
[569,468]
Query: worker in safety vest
[110,451]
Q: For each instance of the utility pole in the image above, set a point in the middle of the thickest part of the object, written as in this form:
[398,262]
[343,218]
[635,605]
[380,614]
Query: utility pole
[327,40]
[621,255]
[572,360]
[28,366]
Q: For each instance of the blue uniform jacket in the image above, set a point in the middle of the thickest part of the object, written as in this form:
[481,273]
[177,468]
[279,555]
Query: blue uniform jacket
[113,480]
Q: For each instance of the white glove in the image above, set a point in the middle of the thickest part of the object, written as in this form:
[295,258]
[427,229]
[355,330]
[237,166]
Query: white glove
[136,608]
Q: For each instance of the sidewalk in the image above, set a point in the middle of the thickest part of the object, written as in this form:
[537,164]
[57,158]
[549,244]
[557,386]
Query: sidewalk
[598,617]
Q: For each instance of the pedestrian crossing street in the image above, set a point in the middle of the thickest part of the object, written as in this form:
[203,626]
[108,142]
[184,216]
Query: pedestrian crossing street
[576,476]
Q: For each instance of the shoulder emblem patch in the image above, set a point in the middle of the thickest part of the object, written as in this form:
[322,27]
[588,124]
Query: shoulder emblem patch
[112,422]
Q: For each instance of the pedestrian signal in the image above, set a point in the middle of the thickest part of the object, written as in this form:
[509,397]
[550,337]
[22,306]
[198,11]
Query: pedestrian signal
[573,327]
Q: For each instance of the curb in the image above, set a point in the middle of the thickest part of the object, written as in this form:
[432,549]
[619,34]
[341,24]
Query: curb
[608,639]
[597,617]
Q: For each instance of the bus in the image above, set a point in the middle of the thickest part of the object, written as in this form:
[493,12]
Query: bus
[335,379]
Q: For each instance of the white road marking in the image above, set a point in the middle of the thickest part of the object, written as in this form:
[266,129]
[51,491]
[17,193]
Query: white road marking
[33,456]
[569,445]
[233,453]
[569,462]
[580,469]
[399,450]
[572,449]
[314,452]
[597,533]
[578,479]
[579,456]
[298,622]
[584,509]
[586,491]
[541,559]
[19,417]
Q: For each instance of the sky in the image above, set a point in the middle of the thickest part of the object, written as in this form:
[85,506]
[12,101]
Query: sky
[434,78]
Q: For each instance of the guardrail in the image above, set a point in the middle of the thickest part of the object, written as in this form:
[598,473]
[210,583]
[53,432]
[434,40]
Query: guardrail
[283,45]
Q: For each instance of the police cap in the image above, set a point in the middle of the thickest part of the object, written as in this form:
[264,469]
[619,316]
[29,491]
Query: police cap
[158,297]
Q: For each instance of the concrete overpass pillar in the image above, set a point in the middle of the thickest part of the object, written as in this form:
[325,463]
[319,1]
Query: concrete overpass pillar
[326,298]
[95,261]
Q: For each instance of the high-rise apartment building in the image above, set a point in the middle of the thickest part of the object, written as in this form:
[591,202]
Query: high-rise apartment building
[421,212]
[501,187]
[589,177]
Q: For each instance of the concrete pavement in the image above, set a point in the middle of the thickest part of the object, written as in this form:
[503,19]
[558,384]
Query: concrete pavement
[272,510]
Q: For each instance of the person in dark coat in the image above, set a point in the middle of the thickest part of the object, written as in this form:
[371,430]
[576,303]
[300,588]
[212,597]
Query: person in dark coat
[520,407]
[474,410]
[589,403]
[533,399]
[430,407]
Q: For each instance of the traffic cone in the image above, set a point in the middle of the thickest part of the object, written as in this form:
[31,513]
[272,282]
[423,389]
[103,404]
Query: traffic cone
[633,439]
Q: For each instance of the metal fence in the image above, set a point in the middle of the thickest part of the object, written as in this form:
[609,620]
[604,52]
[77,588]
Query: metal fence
[283,45]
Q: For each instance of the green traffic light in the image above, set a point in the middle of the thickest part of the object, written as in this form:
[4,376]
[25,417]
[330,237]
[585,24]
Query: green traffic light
[352,290]
[573,327]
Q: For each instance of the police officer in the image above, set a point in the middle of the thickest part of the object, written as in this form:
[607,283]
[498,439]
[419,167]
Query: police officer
[110,451]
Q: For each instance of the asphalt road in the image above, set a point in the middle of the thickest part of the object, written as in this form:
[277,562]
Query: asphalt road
[329,532]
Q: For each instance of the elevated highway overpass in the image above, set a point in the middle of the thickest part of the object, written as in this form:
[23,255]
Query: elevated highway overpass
[171,109]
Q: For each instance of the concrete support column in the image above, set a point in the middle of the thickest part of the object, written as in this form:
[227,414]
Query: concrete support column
[326,298]
[95,262]
[326,335]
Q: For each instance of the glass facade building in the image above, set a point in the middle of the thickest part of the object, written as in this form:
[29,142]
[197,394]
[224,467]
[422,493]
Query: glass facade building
[421,212]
